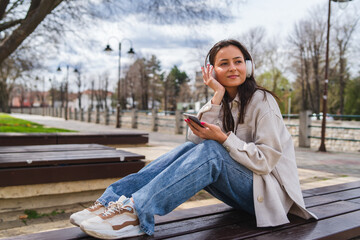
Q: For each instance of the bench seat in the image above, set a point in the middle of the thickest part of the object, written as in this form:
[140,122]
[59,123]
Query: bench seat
[111,138]
[24,165]
[337,206]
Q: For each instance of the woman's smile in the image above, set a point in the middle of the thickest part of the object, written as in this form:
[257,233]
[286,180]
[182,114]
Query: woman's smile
[233,76]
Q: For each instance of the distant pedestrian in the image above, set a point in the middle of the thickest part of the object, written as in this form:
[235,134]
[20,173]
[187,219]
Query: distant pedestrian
[241,153]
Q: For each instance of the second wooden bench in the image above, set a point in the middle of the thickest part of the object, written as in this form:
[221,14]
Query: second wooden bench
[24,165]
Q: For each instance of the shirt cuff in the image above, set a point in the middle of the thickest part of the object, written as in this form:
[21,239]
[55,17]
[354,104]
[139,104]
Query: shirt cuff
[233,142]
[209,112]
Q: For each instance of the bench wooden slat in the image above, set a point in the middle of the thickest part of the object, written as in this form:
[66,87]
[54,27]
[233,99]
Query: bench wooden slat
[52,148]
[332,197]
[355,200]
[69,157]
[108,138]
[334,209]
[52,174]
[344,226]
[332,188]
[192,212]
[62,234]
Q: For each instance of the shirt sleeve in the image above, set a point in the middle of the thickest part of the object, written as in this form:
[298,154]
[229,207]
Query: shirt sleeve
[261,155]
[208,113]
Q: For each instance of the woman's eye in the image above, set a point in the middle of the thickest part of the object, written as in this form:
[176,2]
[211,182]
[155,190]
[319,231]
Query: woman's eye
[238,62]
[223,64]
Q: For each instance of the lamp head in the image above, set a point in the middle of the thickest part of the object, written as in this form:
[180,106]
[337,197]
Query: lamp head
[108,48]
[131,51]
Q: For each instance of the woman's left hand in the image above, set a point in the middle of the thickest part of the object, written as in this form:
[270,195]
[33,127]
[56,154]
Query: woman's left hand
[209,131]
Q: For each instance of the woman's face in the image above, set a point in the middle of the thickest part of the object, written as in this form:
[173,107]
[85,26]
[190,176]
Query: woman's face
[229,67]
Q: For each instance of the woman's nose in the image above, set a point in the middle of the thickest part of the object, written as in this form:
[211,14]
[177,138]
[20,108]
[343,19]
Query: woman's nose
[232,67]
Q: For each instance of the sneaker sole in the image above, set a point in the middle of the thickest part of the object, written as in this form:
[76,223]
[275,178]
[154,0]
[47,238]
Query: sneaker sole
[133,232]
[72,221]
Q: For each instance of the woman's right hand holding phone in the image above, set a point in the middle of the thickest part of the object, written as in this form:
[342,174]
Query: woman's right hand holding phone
[210,81]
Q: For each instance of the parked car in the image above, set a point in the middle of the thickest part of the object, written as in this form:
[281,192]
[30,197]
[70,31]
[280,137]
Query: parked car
[319,116]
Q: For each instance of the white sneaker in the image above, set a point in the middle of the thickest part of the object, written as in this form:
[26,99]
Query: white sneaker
[90,212]
[119,221]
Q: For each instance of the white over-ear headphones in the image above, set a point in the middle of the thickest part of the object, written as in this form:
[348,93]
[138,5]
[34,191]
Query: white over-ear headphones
[249,68]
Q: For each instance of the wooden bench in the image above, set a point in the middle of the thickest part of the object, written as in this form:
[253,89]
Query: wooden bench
[24,165]
[21,139]
[338,209]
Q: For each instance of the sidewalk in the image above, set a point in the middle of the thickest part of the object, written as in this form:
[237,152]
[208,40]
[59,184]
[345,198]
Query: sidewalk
[315,169]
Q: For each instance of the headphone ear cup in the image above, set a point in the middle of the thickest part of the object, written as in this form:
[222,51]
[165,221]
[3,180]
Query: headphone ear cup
[249,68]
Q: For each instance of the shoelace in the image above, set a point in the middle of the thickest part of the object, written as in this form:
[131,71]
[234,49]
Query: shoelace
[95,205]
[114,207]
[109,205]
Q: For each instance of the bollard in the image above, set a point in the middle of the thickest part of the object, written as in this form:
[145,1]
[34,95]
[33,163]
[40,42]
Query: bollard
[89,115]
[82,117]
[107,116]
[97,118]
[304,129]
[155,120]
[178,122]
[134,118]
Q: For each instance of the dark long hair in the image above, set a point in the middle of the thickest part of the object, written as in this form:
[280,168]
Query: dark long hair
[245,90]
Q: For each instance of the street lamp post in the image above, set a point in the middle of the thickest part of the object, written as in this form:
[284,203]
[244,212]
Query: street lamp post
[322,147]
[119,96]
[66,88]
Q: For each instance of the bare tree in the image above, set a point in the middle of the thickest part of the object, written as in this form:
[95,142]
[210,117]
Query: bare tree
[316,34]
[12,69]
[19,19]
[24,25]
[343,35]
[307,41]
[255,40]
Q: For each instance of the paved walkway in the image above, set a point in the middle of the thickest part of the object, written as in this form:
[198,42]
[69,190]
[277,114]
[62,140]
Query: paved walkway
[315,169]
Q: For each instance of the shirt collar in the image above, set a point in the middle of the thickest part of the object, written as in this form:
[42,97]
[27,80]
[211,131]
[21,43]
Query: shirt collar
[236,100]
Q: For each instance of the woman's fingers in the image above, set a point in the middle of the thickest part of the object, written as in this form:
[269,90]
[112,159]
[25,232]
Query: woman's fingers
[196,129]
[204,75]
[207,73]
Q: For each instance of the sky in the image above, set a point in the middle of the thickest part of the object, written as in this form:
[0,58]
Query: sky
[177,44]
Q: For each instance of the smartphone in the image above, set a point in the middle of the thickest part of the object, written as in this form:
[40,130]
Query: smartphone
[193,118]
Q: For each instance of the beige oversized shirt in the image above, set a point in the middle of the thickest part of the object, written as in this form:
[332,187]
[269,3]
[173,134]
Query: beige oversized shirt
[263,145]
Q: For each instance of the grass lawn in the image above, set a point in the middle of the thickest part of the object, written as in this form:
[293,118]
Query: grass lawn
[11,124]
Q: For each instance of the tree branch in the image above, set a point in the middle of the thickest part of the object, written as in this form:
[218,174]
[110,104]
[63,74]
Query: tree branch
[3,5]
[34,17]
[6,25]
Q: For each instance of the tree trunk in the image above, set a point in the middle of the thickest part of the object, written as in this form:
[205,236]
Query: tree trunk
[342,82]
[37,12]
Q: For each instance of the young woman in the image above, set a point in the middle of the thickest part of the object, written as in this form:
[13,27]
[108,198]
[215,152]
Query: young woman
[242,154]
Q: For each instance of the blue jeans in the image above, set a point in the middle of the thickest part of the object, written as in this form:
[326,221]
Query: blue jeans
[176,176]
